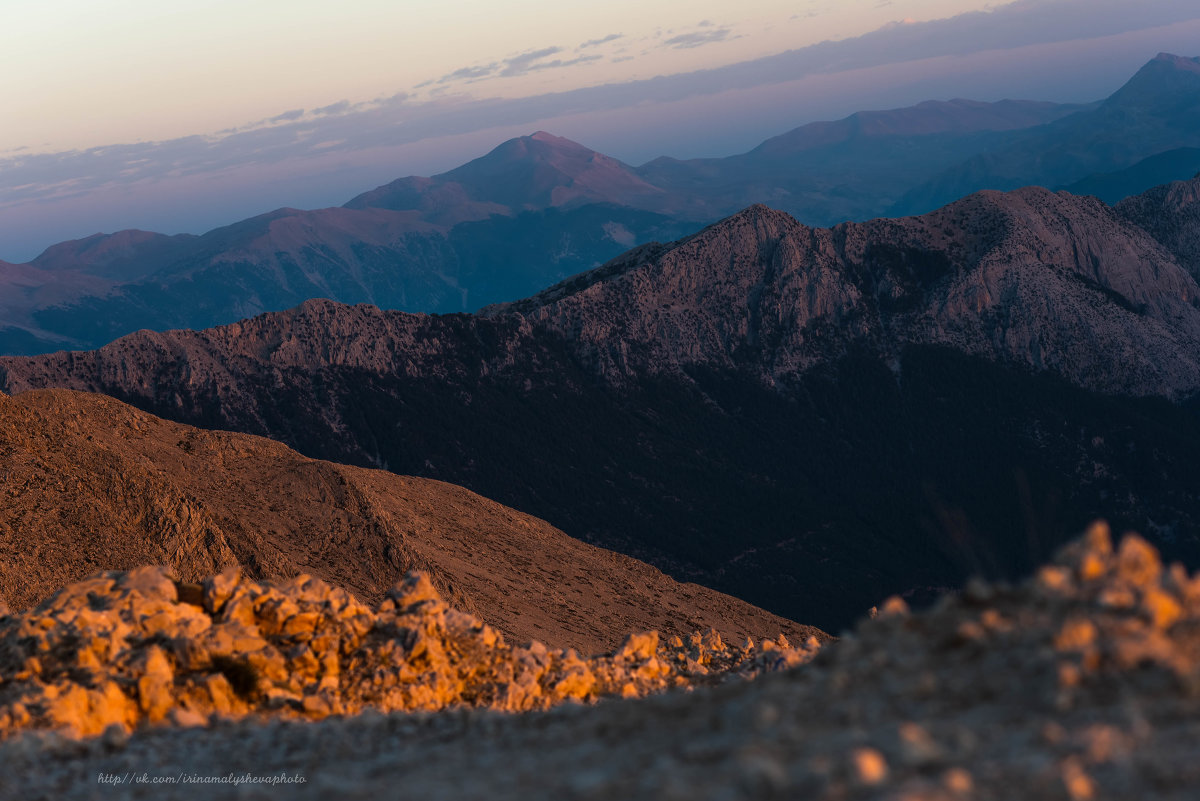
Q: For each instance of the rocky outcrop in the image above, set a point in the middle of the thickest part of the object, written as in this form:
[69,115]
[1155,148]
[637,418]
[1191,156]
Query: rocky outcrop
[122,651]
[1080,683]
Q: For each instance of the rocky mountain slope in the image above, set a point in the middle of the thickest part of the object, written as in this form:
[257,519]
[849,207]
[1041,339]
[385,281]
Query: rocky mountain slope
[92,484]
[806,418]
[1171,213]
[1048,281]
[1079,684]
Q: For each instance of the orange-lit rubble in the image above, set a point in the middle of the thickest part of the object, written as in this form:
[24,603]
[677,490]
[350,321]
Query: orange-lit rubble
[130,649]
[1081,683]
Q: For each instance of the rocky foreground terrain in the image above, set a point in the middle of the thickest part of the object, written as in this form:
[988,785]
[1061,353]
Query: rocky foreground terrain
[90,483]
[1081,683]
[124,650]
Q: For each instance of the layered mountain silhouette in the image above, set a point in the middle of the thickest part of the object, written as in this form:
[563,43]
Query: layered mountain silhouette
[854,168]
[1157,111]
[807,418]
[541,208]
[91,484]
[1152,171]
[395,259]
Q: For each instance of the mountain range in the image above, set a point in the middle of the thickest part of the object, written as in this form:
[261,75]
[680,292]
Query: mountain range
[541,208]
[807,418]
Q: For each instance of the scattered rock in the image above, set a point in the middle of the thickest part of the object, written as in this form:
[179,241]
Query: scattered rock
[124,650]
[904,707]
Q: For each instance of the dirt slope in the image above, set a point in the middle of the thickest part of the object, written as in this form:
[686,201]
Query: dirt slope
[92,484]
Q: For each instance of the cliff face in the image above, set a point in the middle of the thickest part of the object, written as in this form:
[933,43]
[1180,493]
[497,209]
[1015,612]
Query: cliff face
[808,418]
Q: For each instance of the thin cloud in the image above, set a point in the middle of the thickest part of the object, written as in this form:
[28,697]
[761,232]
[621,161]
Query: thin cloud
[346,127]
[333,109]
[392,100]
[522,64]
[288,116]
[612,37]
[686,41]
[468,74]
[526,62]
[549,65]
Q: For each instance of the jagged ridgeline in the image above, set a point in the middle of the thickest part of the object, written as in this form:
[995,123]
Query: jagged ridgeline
[810,419]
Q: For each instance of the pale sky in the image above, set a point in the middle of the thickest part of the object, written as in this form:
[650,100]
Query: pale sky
[82,73]
[179,116]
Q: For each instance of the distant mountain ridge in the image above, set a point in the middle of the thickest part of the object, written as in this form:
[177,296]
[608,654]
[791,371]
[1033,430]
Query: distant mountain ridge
[806,418]
[1157,110]
[1161,168]
[540,208]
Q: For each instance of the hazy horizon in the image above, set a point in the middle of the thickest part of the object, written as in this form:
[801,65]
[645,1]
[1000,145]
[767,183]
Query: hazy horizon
[85,157]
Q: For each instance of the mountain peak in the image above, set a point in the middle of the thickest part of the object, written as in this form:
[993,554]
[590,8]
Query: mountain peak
[1166,81]
[542,170]
[549,138]
[538,145]
[1176,62]
[757,213]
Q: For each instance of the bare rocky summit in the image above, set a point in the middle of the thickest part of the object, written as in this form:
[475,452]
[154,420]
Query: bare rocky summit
[1081,683]
[92,484]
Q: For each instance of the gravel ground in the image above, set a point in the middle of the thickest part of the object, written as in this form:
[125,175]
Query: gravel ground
[1082,683]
